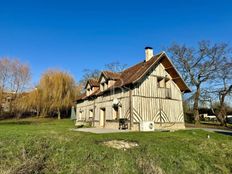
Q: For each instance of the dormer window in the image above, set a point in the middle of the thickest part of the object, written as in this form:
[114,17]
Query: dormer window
[88,91]
[91,86]
[104,86]
[103,83]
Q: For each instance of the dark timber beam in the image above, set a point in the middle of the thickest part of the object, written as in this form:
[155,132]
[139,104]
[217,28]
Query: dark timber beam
[131,109]
[170,67]
[175,78]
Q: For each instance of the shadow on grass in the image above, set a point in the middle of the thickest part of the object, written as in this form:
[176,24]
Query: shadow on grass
[30,121]
[224,133]
[18,122]
[213,125]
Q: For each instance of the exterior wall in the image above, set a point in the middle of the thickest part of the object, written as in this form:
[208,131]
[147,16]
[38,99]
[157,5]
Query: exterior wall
[150,102]
[111,83]
[105,101]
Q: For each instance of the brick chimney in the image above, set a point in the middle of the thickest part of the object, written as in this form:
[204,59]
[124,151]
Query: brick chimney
[149,53]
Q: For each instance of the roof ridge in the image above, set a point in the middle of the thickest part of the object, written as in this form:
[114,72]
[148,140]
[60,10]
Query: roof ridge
[144,61]
[107,71]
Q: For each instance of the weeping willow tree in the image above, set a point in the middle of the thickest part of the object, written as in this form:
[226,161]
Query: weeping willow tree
[29,102]
[57,91]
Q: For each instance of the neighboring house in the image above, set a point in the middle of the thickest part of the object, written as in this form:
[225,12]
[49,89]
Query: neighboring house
[148,91]
[6,100]
[214,118]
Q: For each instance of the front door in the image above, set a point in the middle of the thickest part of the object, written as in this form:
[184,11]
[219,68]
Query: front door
[116,113]
[102,117]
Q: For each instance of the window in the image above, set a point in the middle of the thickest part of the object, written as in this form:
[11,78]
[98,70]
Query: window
[103,86]
[167,83]
[88,91]
[160,82]
[163,83]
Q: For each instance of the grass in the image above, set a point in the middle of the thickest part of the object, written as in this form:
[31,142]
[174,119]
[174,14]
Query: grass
[48,146]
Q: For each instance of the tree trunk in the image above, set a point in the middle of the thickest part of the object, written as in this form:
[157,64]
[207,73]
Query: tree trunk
[196,107]
[67,112]
[222,113]
[18,115]
[44,112]
[58,112]
[37,111]
[1,94]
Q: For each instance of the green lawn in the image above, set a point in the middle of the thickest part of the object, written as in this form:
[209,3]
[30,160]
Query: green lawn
[48,146]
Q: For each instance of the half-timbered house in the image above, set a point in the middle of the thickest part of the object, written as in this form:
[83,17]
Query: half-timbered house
[148,91]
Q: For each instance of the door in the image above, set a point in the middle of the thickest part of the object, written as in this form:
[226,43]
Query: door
[80,115]
[90,114]
[116,112]
[102,117]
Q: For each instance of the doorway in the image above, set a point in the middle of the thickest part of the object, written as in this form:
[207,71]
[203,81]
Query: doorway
[102,117]
[90,114]
[116,112]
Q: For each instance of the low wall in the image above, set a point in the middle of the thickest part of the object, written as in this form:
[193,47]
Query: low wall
[170,126]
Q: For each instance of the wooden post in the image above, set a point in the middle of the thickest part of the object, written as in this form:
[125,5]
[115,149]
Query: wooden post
[160,112]
[93,119]
[131,109]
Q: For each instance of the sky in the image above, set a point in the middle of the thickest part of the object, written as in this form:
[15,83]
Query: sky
[77,35]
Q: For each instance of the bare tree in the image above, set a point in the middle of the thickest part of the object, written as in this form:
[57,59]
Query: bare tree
[220,89]
[14,77]
[115,67]
[198,65]
[20,76]
[1,99]
[4,76]
[225,76]
[89,74]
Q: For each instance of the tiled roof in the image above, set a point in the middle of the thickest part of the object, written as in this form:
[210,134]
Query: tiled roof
[111,75]
[81,97]
[93,83]
[135,73]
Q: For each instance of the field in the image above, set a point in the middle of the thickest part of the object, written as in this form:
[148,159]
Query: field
[48,146]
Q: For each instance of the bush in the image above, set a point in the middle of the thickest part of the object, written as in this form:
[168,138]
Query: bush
[189,117]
